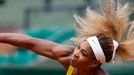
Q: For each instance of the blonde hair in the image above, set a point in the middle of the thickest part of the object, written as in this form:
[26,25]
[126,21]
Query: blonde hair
[114,22]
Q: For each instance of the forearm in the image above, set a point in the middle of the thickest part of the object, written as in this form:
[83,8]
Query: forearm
[19,40]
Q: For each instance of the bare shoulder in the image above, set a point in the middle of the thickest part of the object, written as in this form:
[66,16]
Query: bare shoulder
[63,54]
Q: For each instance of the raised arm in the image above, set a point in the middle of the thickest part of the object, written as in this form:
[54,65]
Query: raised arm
[43,47]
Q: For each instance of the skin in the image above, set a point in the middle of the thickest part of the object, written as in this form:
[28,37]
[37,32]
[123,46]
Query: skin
[81,57]
[4,46]
[7,47]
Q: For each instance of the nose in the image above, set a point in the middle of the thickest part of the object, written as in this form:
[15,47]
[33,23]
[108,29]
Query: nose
[76,53]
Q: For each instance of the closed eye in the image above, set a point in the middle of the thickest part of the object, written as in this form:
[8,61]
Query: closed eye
[84,53]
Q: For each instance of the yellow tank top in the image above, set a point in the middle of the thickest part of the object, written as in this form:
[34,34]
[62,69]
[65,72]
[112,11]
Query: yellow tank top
[70,70]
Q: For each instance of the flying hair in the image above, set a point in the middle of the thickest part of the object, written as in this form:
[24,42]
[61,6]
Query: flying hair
[112,21]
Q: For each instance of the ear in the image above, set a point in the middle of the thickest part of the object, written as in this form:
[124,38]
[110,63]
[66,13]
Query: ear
[95,64]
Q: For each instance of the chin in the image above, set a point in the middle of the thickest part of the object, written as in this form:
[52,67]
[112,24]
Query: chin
[73,64]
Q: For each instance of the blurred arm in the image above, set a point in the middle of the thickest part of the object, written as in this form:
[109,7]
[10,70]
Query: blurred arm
[43,47]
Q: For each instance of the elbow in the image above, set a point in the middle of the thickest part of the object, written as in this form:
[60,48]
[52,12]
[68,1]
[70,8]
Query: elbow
[30,43]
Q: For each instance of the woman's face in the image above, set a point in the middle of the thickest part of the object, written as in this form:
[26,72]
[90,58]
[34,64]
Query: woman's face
[82,56]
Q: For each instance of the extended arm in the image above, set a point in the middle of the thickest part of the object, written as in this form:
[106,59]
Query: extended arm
[43,47]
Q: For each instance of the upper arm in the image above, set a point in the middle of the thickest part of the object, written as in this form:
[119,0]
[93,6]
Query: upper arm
[51,49]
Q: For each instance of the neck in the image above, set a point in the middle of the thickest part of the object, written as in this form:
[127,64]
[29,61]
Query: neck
[96,71]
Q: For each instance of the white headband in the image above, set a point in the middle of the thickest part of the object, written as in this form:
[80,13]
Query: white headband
[97,50]
[115,48]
